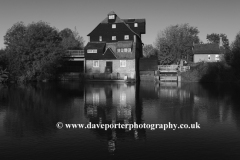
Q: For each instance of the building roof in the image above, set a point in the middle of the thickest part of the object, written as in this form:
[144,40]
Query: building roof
[95,45]
[142,20]
[124,44]
[108,54]
[117,20]
[111,50]
[206,49]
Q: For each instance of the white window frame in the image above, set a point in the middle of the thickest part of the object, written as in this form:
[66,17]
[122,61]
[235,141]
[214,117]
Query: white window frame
[100,38]
[125,50]
[129,50]
[122,49]
[217,57]
[114,25]
[92,51]
[126,37]
[112,16]
[95,98]
[123,63]
[97,64]
[135,24]
[114,38]
[209,57]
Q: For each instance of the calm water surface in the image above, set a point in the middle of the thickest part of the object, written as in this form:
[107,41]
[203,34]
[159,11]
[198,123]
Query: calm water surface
[29,113]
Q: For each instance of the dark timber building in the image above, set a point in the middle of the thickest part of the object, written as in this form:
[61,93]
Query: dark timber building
[115,48]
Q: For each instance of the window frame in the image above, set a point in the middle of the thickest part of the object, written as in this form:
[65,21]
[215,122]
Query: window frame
[114,38]
[92,51]
[123,63]
[111,16]
[96,66]
[114,26]
[209,57]
[126,37]
[135,24]
[100,38]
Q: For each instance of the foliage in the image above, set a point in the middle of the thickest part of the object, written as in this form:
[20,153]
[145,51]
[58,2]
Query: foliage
[209,72]
[34,51]
[3,59]
[71,40]
[215,38]
[175,43]
[149,50]
[235,59]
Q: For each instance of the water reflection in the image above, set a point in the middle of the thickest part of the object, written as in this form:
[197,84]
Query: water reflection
[29,113]
[113,104]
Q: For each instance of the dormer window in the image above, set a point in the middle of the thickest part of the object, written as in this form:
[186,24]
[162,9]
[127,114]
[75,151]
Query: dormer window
[111,16]
[100,38]
[113,25]
[114,38]
[126,37]
[135,24]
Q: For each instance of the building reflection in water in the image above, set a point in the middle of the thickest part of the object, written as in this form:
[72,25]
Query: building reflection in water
[113,104]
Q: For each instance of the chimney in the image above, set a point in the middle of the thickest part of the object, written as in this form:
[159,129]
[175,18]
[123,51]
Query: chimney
[220,42]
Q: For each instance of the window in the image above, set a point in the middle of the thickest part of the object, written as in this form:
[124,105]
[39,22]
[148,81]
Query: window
[122,63]
[217,57]
[114,38]
[95,63]
[100,38]
[126,37]
[121,49]
[111,16]
[92,51]
[125,49]
[113,25]
[209,57]
[95,98]
[135,24]
[129,50]
[118,50]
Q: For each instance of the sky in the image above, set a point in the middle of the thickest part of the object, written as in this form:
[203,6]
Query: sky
[209,16]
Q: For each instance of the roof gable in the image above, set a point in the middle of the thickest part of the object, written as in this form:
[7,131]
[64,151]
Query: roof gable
[109,54]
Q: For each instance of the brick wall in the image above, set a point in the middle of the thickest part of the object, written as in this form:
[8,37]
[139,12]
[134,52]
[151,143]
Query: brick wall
[117,71]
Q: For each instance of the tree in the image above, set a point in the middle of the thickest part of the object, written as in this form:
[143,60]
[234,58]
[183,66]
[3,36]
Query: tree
[175,43]
[149,50]
[3,59]
[34,51]
[215,38]
[71,40]
[235,60]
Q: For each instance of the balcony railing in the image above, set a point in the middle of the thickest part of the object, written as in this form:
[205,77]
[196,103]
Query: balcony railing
[75,53]
[173,68]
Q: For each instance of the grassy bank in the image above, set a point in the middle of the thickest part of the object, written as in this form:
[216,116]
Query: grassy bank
[209,72]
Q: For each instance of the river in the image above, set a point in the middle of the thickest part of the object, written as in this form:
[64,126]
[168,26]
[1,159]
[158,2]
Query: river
[29,114]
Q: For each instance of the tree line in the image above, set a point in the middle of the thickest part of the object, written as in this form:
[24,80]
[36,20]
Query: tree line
[35,51]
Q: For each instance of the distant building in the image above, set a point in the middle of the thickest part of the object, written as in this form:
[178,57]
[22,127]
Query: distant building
[207,52]
[115,48]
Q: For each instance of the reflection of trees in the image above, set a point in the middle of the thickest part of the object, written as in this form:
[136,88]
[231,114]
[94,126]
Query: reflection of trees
[187,103]
[37,108]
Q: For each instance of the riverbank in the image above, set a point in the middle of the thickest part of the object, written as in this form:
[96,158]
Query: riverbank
[202,72]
